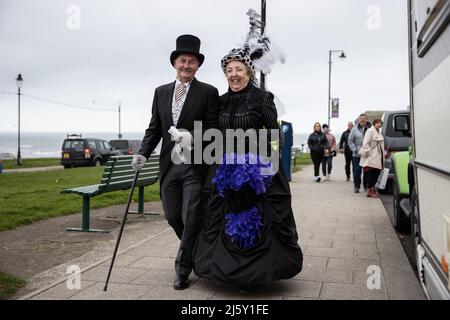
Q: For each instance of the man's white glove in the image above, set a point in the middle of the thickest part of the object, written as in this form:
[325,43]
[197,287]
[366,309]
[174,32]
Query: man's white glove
[184,138]
[138,162]
[174,133]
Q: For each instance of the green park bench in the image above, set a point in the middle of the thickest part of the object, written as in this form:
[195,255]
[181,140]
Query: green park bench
[118,175]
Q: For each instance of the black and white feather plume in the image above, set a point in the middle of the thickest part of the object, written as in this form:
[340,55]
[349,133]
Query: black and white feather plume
[259,47]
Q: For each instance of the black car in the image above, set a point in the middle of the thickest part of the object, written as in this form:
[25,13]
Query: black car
[127,147]
[78,151]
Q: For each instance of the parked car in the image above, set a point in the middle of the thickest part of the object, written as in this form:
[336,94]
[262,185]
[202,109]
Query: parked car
[127,147]
[7,156]
[78,151]
[395,140]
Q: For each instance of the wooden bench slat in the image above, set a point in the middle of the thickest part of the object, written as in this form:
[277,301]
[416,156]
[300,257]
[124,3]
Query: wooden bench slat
[131,177]
[83,190]
[131,174]
[120,171]
[128,166]
[128,173]
[129,180]
[110,165]
[121,185]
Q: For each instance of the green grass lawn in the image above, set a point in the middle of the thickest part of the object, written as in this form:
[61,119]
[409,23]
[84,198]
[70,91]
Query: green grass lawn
[303,160]
[33,196]
[9,285]
[28,197]
[31,163]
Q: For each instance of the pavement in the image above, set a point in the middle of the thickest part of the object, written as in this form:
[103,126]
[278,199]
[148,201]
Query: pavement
[33,169]
[40,252]
[351,251]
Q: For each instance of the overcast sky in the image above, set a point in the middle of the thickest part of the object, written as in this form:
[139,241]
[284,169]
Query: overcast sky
[119,51]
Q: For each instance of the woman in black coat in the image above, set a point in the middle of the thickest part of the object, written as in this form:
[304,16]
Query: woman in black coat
[317,142]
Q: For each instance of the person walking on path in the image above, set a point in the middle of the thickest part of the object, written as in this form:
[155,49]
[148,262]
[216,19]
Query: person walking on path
[355,141]
[345,149]
[176,106]
[248,234]
[316,144]
[372,156]
[330,152]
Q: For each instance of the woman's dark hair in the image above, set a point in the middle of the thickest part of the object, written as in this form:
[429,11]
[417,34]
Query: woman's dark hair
[320,128]
[377,120]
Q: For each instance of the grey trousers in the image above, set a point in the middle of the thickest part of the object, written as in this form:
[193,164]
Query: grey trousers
[180,193]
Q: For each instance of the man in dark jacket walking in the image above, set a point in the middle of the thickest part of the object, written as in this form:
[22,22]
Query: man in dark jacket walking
[178,105]
[345,149]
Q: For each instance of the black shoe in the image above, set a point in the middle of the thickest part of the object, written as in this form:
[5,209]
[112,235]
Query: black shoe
[181,282]
[348,178]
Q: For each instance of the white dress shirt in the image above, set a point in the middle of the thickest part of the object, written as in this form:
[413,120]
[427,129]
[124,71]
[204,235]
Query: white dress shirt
[177,107]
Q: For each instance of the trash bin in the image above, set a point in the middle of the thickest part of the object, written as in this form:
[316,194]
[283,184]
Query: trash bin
[286,150]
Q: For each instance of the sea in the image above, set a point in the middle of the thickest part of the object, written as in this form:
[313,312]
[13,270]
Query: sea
[48,144]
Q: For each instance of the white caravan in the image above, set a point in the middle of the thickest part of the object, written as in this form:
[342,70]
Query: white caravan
[429,59]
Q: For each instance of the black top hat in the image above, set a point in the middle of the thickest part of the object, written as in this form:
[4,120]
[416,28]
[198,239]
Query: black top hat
[187,44]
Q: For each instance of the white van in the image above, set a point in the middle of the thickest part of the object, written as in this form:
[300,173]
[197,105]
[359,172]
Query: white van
[429,58]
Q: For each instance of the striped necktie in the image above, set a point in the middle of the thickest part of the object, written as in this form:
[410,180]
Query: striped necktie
[181,90]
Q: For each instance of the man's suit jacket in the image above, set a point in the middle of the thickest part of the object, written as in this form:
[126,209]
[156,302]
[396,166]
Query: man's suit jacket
[201,104]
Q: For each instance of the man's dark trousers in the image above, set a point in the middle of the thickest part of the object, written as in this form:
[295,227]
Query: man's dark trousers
[348,161]
[180,193]
[357,170]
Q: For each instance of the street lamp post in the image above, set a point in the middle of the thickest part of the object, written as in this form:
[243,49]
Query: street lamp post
[120,133]
[19,85]
[342,56]
[263,25]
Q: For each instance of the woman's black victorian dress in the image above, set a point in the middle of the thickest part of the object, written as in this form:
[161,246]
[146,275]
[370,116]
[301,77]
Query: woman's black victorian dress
[275,254]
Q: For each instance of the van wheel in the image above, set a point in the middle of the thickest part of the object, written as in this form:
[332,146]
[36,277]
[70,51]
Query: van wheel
[97,163]
[401,222]
[389,187]
[67,166]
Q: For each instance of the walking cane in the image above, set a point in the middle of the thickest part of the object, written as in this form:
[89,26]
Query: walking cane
[121,228]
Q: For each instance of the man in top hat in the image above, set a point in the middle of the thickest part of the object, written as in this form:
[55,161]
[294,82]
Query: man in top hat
[175,108]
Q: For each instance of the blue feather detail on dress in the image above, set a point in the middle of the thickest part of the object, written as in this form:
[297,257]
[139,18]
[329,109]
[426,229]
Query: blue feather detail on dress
[239,173]
[244,227]
[237,170]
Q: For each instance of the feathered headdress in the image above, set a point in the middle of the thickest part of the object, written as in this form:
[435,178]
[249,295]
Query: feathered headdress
[257,51]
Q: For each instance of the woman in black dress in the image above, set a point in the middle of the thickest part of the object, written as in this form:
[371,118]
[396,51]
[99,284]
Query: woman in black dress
[273,253]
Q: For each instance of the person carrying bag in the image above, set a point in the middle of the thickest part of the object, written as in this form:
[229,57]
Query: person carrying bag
[372,156]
